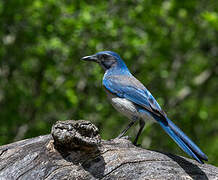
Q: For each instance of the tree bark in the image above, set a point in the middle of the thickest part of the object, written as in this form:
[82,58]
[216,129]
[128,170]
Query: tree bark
[74,150]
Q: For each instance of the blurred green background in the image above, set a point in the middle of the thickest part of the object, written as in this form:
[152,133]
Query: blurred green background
[171,46]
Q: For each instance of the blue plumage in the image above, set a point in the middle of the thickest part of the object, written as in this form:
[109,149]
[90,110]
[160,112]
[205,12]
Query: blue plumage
[131,98]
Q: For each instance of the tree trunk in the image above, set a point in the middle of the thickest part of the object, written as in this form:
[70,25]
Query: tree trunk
[74,150]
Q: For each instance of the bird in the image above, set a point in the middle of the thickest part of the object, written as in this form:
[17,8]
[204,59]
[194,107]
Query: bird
[132,99]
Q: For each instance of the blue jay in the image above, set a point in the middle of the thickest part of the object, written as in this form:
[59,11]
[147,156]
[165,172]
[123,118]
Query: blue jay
[131,98]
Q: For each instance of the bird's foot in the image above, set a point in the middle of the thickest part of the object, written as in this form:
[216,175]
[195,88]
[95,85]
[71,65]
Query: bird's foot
[137,145]
[123,137]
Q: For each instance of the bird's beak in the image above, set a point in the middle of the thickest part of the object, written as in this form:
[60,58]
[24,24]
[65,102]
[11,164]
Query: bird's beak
[90,58]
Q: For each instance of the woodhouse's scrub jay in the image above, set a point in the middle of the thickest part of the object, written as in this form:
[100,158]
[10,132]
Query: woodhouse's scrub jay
[131,98]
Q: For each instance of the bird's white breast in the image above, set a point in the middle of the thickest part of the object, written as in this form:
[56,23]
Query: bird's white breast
[124,106]
[127,107]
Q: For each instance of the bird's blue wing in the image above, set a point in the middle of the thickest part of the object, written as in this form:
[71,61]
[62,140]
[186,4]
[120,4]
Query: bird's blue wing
[130,88]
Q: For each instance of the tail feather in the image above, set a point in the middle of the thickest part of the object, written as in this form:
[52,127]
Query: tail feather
[184,142]
[187,140]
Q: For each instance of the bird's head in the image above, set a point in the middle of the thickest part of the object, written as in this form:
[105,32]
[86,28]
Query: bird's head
[106,59]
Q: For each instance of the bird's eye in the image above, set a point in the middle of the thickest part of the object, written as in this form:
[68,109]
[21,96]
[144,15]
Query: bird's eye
[104,56]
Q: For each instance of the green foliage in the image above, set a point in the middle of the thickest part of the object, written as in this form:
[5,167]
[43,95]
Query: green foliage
[171,46]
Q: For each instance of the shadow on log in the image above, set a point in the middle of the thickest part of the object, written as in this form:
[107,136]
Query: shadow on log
[74,150]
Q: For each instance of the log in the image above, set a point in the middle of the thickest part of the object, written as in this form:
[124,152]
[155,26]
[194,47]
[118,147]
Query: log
[74,150]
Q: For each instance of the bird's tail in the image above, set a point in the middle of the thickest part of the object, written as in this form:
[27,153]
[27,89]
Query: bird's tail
[184,142]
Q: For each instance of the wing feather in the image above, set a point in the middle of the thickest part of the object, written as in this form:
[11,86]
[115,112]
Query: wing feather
[130,88]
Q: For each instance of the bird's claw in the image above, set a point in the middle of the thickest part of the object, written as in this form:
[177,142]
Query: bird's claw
[123,137]
[137,145]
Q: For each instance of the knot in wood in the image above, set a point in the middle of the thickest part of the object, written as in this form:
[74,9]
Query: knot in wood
[79,134]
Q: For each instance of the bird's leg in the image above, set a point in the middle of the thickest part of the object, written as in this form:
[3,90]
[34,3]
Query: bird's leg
[141,124]
[134,119]
[126,129]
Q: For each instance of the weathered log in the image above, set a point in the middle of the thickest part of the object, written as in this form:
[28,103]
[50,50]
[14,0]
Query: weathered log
[74,150]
